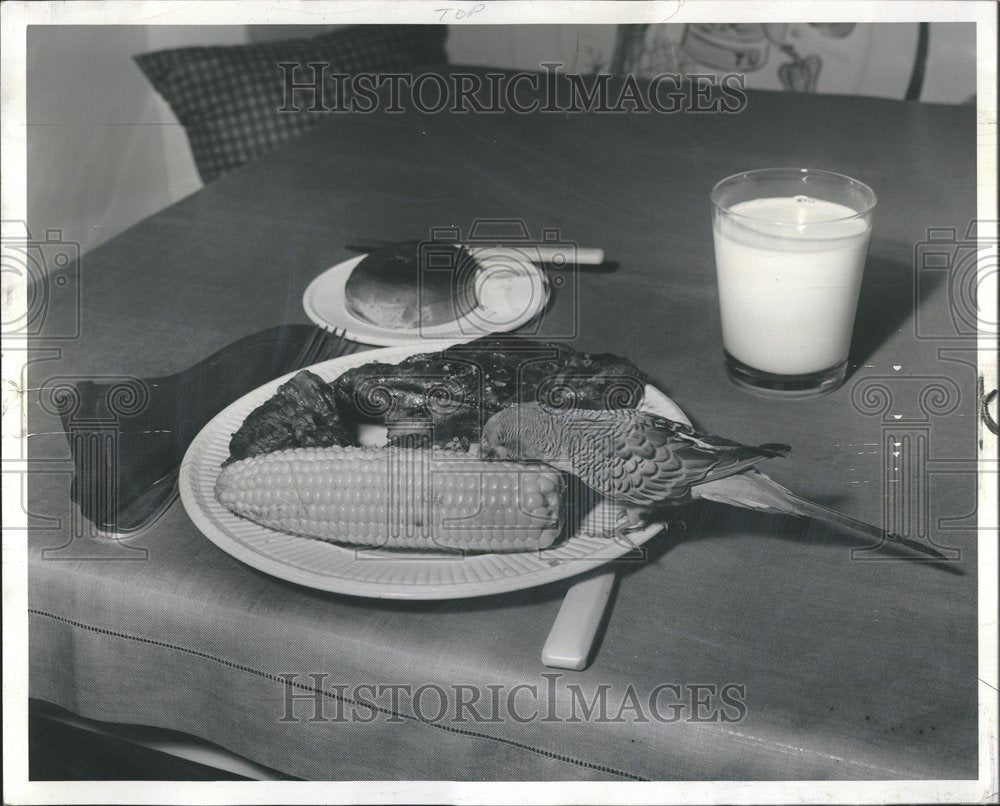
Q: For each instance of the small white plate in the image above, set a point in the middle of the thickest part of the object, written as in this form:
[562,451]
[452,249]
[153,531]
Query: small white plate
[377,573]
[325,304]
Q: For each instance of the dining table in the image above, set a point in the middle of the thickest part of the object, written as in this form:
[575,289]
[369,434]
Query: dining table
[737,645]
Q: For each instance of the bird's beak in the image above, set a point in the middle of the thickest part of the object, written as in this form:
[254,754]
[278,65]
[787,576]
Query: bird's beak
[496,452]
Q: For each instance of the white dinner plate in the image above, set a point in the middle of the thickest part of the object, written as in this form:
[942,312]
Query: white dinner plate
[377,573]
[325,304]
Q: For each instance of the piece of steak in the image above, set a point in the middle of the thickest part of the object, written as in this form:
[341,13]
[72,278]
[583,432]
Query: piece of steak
[446,397]
[302,414]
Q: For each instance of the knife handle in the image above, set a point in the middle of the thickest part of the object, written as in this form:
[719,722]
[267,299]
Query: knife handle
[541,253]
[571,638]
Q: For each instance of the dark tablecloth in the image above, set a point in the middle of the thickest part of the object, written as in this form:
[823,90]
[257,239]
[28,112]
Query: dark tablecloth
[853,668]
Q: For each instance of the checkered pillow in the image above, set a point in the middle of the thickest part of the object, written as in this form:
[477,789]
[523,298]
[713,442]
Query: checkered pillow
[227,98]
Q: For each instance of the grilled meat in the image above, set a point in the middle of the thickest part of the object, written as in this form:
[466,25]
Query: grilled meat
[446,397]
[302,414]
[442,398]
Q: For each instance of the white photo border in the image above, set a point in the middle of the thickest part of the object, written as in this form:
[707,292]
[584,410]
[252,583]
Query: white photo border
[16,15]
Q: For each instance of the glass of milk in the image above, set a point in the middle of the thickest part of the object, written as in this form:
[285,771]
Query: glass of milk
[790,246]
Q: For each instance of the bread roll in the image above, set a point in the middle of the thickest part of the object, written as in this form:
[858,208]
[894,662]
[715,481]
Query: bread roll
[404,287]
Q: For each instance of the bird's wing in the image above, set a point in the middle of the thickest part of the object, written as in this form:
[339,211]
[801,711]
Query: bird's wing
[642,458]
[730,457]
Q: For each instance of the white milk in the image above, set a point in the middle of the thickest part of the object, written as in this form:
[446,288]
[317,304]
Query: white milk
[788,291]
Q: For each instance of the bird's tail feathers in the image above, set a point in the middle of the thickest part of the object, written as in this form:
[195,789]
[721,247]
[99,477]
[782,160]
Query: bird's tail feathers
[754,490]
[750,489]
[740,459]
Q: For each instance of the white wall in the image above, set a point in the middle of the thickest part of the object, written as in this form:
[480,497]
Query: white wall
[580,48]
[104,150]
[951,64]
[874,60]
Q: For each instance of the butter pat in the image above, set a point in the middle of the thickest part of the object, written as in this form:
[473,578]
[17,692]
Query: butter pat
[508,284]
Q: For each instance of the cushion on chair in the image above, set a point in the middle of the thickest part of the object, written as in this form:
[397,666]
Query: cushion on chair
[227,98]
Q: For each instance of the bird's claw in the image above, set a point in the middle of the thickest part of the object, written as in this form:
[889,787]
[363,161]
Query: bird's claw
[616,523]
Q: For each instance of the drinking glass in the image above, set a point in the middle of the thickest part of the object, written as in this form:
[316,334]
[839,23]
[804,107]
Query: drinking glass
[790,247]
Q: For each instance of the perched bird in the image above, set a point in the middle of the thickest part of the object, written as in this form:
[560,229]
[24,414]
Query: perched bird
[641,461]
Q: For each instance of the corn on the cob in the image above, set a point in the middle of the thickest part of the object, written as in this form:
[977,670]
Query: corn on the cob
[398,498]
